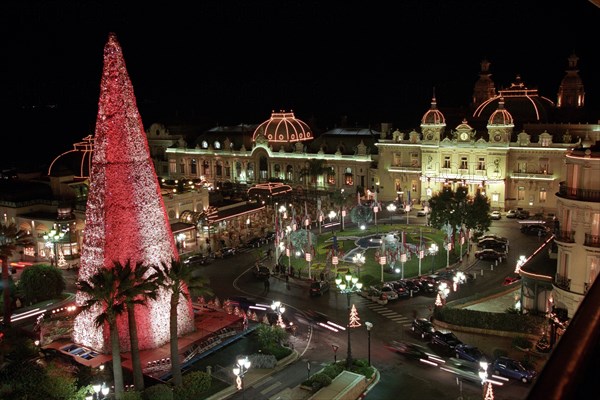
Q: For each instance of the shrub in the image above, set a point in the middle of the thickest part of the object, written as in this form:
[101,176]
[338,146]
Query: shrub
[333,370]
[132,395]
[194,383]
[269,335]
[41,282]
[319,380]
[158,392]
[278,351]
[261,360]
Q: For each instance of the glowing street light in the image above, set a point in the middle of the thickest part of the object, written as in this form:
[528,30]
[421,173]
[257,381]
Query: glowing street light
[391,210]
[332,214]
[52,239]
[407,209]
[240,369]
[433,250]
[349,285]
[279,309]
[376,210]
[359,259]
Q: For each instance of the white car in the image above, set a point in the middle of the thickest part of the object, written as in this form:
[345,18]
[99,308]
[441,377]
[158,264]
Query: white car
[388,291]
[495,215]
[422,213]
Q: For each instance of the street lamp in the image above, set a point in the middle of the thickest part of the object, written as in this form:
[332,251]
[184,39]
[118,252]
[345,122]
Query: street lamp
[391,210]
[240,369]
[358,259]
[483,374]
[349,285]
[369,327]
[407,209]
[99,389]
[181,241]
[433,249]
[331,216]
[448,247]
[52,238]
[376,210]
[279,309]
[343,212]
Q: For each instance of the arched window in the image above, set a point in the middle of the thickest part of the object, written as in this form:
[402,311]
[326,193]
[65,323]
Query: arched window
[289,173]
[348,177]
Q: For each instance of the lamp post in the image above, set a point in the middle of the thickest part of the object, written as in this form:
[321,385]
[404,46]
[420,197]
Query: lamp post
[391,209]
[241,367]
[407,209]
[358,259]
[331,216]
[181,242]
[382,261]
[100,392]
[433,249]
[279,309]
[448,247]
[376,210]
[52,238]
[483,374]
[369,326]
[343,212]
[348,286]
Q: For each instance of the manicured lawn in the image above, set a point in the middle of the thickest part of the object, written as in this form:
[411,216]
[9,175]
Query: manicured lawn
[370,272]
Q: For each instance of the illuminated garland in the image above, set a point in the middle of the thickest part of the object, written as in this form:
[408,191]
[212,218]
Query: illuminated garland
[126,219]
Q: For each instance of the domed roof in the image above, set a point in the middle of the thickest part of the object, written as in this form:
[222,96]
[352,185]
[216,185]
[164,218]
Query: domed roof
[525,105]
[283,127]
[501,116]
[433,116]
[464,126]
[77,161]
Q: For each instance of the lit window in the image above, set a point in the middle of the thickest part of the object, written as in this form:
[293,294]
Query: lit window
[217,145]
[446,161]
[521,193]
[481,164]
[204,144]
[542,195]
[463,163]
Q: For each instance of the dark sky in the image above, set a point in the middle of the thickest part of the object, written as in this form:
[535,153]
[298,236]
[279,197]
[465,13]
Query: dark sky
[227,62]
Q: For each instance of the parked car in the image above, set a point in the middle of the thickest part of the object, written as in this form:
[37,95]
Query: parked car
[412,286]
[197,259]
[511,213]
[422,327]
[522,214]
[226,252]
[495,215]
[261,272]
[422,213]
[468,352]
[491,243]
[489,254]
[445,340]
[270,236]
[511,368]
[389,291]
[426,285]
[534,229]
[493,236]
[255,242]
[318,288]
[400,288]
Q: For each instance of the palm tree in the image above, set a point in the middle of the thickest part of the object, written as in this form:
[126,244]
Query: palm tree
[104,291]
[313,169]
[180,281]
[10,239]
[136,290]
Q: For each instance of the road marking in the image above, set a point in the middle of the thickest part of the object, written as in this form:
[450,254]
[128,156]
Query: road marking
[270,388]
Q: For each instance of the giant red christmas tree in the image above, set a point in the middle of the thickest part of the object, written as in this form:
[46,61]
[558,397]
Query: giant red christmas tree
[126,219]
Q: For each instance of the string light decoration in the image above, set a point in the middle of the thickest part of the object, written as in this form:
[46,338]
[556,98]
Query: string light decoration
[126,219]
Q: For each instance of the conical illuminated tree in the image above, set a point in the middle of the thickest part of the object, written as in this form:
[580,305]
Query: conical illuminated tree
[126,219]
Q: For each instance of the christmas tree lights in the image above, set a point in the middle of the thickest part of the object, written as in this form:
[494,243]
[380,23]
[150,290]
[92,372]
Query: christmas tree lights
[126,218]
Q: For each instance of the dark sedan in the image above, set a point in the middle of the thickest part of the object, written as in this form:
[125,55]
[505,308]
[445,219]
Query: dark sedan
[489,254]
[468,352]
[445,340]
[534,229]
[422,327]
[491,243]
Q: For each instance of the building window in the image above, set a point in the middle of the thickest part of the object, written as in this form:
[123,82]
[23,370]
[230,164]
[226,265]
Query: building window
[544,166]
[446,161]
[331,176]
[397,160]
[521,193]
[414,159]
[495,197]
[193,167]
[172,166]
[276,171]
[206,168]
[290,173]
[227,169]
[217,145]
[542,195]
[204,144]
[219,168]
[463,163]
[481,164]
[182,167]
[522,166]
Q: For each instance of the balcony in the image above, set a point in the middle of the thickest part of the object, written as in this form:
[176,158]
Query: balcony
[536,176]
[592,240]
[562,282]
[581,194]
[565,236]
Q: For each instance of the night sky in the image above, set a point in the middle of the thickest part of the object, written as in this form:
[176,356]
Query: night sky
[230,62]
